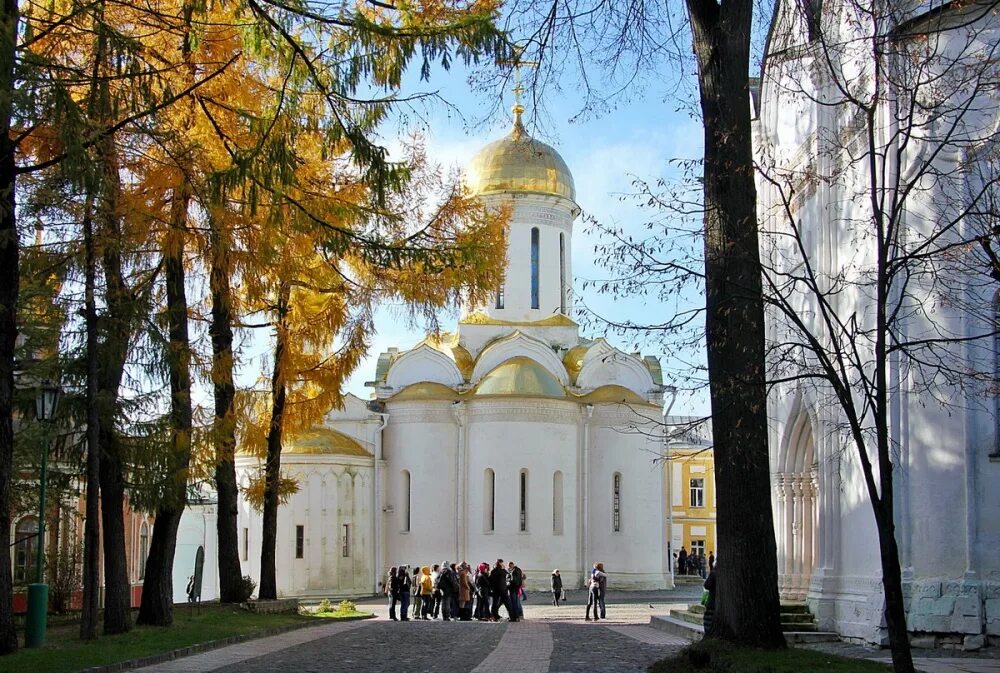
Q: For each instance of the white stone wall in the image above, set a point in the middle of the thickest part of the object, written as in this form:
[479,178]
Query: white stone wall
[947,515]
[333,491]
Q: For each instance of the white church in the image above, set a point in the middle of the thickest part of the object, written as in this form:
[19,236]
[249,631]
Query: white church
[813,145]
[513,437]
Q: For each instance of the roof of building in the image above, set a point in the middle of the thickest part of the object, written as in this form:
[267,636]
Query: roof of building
[520,376]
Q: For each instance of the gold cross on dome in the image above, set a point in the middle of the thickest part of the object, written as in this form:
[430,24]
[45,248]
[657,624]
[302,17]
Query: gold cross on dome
[517,63]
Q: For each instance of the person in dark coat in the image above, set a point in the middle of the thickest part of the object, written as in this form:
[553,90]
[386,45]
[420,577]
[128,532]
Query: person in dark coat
[711,585]
[392,590]
[682,558]
[498,589]
[403,578]
[556,585]
[482,585]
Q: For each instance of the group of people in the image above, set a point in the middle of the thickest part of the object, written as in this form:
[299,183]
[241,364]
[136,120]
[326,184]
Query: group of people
[456,591]
[694,563]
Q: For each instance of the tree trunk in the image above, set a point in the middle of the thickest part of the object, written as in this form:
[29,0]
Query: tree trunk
[272,467]
[91,530]
[895,610]
[224,432]
[747,606]
[118,329]
[157,607]
[9,279]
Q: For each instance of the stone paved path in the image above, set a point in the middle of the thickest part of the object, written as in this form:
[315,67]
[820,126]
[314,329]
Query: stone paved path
[551,640]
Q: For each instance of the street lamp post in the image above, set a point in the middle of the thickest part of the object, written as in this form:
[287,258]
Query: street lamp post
[38,593]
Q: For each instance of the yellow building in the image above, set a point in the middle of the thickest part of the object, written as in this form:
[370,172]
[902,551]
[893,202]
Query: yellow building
[691,475]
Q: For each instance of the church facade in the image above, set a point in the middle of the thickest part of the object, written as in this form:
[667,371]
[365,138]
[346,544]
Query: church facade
[512,437]
[830,144]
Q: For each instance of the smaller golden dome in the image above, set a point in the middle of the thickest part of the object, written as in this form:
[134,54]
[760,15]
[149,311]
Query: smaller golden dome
[519,164]
[323,441]
[520,376]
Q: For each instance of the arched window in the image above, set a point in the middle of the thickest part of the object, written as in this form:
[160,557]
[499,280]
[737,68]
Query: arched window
[25,549]
[562,273]
[616,502]
[489,500]
[522,518]
[534,267]
[499,303]
[407,492]
[557,503]
[143,548]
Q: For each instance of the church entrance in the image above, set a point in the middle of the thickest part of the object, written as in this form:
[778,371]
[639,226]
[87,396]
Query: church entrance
[798,511]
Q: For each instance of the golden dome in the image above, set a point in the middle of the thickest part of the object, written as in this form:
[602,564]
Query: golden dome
[521,164]
[323,441]
[520,376]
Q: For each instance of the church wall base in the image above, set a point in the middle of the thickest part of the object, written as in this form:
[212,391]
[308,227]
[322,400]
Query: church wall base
[940,613]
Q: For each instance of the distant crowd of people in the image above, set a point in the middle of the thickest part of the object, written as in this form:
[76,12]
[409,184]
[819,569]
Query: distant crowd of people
[693,563]
[454,591]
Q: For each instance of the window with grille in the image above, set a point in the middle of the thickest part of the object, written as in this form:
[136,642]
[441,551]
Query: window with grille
[300,541]
[616,502]
[523,509]
[534,267]
[346,541]
[697,493]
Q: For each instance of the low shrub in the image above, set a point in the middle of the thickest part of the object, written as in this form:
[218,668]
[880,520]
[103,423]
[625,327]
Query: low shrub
[247,587]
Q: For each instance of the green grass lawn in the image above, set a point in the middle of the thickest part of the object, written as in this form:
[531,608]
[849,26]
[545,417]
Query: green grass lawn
[64,652]
[711,656]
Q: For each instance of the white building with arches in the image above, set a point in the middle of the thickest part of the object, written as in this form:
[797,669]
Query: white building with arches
[512,437]
[829,144]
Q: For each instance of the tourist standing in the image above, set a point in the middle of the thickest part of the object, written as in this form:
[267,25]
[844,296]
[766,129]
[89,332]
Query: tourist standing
[392,590]
[483,592]
[602,582]
[594,595]
[682,561]
[515,578]
[418,602]
[464,592]
[498,589]
[556,585]
[710,586]
[426,592]
[447,587]
[711,562]
[403,578]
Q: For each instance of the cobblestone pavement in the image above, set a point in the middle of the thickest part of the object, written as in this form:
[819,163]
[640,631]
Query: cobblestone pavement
[550,640]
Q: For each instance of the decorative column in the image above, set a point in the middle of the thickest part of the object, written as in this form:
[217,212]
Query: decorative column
[808,532]
[797,530]
[782,530]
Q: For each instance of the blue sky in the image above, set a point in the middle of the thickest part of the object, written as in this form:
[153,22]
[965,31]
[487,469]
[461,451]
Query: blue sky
[605,154]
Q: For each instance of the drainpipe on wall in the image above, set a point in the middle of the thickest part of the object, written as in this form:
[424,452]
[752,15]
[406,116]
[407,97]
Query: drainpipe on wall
[458,409]
[377,502]
[583,515]
[666,496]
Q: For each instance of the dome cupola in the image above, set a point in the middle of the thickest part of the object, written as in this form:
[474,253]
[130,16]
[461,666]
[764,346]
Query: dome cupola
[519,164]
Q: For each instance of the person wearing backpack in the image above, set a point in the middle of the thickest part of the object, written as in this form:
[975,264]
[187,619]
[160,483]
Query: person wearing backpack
[446,585]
